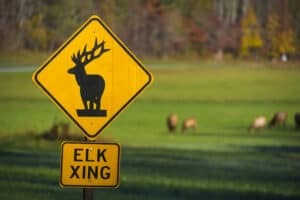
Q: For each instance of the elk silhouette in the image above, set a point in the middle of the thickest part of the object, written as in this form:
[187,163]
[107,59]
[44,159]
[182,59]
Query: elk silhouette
[91,85]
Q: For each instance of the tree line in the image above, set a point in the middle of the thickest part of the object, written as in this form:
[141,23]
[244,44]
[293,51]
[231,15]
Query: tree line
[160,28]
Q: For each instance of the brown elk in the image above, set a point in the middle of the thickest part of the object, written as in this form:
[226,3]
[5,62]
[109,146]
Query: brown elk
[190,123]
[91,85]
[258,123]
[297,120]
[172,122]
[279,118]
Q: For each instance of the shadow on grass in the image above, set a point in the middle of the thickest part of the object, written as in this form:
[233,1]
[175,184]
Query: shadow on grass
[29,159]
[276,149]
[160,173]
[161,192]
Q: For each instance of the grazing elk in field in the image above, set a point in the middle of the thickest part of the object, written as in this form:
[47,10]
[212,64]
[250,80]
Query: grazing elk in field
[297,120]
[279,118]
[91,85]
[172,122]
[258,123]
[190,123]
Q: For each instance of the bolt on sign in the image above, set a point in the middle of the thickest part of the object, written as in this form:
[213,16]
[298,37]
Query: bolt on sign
[92,77]
[90,164]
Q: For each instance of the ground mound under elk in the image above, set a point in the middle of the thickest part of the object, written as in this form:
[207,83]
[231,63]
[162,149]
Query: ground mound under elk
[172,122]
[279,118]
[91,85]
[190,123]
[258,123]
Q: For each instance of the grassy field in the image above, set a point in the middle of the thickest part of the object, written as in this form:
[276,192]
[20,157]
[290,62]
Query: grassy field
[221,160]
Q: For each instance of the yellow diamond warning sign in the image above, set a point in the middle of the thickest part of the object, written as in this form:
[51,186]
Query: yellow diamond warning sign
[92,77]
[90,164]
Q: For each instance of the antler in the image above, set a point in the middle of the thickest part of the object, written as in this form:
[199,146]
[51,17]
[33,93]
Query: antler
[87,56]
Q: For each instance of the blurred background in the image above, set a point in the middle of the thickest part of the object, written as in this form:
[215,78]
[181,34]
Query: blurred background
[161,28]
[220,121]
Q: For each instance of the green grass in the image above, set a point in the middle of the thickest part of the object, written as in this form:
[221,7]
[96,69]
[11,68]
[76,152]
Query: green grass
[221,160]
[21,58]
[253,172]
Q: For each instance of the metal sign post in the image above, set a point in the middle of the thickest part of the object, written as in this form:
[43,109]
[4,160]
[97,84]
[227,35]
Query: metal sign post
[92,77]
[88,193]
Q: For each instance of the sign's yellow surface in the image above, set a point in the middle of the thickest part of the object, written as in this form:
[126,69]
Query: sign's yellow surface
[90,164]
[92,77]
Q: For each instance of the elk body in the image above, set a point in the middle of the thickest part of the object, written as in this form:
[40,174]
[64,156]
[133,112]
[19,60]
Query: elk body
[258,123]
[91,85]
[279,118]
[297,120]
[190,123]
[172,122]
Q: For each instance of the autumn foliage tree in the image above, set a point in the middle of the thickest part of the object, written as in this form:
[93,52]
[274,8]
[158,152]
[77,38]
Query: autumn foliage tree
[287,42]
[281,40]
[251,40]
[272,33]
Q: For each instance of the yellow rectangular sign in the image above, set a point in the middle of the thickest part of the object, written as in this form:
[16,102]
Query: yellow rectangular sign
[89,164]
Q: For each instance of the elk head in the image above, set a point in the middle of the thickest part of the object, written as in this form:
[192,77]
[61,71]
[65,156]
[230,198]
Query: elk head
[81,59]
